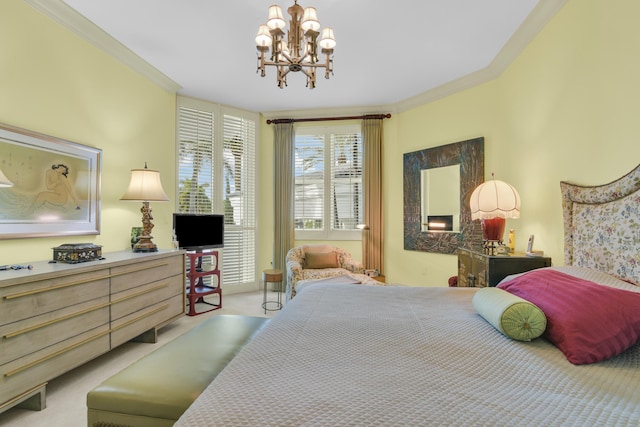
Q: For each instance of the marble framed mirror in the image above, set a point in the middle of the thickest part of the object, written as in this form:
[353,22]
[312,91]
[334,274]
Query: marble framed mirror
[430,196]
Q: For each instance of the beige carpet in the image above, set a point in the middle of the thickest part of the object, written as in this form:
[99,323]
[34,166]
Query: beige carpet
[66,395]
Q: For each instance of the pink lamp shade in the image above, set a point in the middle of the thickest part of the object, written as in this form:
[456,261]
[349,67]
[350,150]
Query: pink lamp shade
[492,202]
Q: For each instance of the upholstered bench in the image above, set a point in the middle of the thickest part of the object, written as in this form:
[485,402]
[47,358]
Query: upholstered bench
[158,388]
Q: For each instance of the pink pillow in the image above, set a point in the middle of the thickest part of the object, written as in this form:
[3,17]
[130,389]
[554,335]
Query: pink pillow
[586,321]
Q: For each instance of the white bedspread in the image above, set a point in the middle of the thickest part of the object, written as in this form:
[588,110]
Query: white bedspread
[353,355]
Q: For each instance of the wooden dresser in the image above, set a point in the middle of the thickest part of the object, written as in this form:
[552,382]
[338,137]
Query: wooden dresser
[56,317]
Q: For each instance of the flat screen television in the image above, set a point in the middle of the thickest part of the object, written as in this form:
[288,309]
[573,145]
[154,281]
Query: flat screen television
[198,232]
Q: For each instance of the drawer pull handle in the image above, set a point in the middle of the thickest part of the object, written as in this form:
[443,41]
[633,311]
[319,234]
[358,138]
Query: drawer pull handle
[53,288]
[142,268]
[137,294]
[137,319]
[59,319]
[55,353]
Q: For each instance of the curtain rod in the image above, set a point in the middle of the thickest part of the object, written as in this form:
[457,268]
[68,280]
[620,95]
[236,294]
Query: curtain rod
[322,119]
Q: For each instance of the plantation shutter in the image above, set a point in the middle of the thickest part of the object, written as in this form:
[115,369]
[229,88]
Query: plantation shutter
[346,181]
[217,174]
[196,159]
[309,182]
[328,183]
[239,198]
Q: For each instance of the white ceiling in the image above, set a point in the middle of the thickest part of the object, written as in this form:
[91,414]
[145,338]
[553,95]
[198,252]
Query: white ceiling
[387,52]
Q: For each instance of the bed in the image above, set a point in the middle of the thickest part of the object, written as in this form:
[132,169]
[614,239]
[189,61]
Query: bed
[358,355]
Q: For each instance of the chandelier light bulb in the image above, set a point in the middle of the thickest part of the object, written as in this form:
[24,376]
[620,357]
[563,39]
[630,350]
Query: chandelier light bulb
[276,20]
[310,20]
[263,38]
[328,39]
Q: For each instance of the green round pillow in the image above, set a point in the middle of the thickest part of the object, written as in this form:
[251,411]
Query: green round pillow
[515,317]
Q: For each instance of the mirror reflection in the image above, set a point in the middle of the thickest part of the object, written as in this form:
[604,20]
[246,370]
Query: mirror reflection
[430,194]
[440,199]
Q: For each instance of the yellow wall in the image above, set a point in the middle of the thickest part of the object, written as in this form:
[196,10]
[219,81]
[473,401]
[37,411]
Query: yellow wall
[566,109]
[55,83]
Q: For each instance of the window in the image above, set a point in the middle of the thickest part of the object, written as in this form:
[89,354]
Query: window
[328,183]
[217,173]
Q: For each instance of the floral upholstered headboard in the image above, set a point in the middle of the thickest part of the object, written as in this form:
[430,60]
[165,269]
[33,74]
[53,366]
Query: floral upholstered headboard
[602,226]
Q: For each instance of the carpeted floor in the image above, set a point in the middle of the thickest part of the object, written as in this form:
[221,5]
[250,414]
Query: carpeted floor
[66,395]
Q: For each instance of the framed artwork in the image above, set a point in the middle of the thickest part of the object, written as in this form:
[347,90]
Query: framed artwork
[54,186]
[136,232]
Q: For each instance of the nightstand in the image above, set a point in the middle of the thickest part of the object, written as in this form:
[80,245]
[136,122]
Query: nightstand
[380,278]
[477,269]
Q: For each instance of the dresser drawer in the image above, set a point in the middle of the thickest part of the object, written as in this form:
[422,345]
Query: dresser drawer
[134,324]
[136,299]
[38,368]
[30,335]
[36,298]
[133,275]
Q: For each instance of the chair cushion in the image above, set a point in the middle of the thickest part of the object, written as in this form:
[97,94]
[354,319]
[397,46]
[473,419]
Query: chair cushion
[317,248]
[321,260]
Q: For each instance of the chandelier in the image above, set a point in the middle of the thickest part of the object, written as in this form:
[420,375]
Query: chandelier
[300,52]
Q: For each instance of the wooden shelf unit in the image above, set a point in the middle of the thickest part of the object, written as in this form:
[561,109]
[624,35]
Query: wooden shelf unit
[196,273]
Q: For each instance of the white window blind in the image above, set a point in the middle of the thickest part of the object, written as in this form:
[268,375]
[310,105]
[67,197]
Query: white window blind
[239,197]
[346,181]
[309,182]
[217,173]
[328,183]
[195,159]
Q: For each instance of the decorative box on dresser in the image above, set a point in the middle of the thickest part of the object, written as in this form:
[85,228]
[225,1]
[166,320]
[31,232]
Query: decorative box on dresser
[478,269]
[56,316]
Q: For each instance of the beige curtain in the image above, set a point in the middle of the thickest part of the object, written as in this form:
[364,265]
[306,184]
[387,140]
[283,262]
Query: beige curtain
[373,249]
[284,139]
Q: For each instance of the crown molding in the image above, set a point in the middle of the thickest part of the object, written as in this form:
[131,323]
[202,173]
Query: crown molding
[540,16]
[66,16]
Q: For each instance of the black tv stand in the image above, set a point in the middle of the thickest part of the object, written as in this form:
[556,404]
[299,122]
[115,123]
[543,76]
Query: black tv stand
[196,288]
